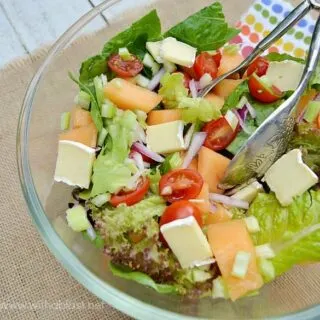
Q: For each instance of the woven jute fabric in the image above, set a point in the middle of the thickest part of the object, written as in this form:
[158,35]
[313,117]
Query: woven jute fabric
[33,284]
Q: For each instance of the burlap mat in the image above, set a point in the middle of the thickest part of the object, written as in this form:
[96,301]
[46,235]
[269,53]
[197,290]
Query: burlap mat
[33,285]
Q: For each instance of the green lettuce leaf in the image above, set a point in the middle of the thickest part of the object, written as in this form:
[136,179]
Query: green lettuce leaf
[92,67]
[135,37]
[142,278]
[172,90]
[314,82]
[109,175]
[94,106]
[234,98]
[293,231]
[204,30]
[307,137]
[275,56]
[198,109]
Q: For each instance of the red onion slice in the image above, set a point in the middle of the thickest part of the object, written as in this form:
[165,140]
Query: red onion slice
[196,143]
[137,157]
[155,81]
[228,201]
[251,110]
[188,136]
[193,88]
[241,122]
[147,152]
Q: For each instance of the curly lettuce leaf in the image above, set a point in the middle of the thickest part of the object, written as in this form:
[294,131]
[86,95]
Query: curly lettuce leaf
[154,176]
[135,37]
[307,137]
[293,231]
[198,109]
[172,90]
[204,30]
[142,278]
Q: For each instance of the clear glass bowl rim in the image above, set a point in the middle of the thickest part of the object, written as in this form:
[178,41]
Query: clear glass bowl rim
[123,302]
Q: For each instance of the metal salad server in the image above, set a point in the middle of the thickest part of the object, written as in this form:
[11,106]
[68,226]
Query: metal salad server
[269,142]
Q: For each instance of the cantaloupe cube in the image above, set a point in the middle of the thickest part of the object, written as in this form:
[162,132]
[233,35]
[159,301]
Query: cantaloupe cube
[163,116]
[80,117]
[128,96]
[218,101]
[221,214]
[204,207]
[212,166]
[86,135]
[226,240]
[229,62]
[224,88]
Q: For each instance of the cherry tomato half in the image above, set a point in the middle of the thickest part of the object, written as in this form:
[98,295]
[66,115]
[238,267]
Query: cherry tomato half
[206,63]
[179,210]
[131,198]
[124,68]
[219,134]
[259,66]
[186,79]
[180,184]
[262,92]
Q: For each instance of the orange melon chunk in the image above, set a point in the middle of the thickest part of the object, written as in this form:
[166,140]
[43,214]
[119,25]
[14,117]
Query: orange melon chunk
[224,88]
[204,207]
[163,116]
[226,239]
[128,96]
[218,101]
[86,135]
[229,62]
[212,166]
[218,216]
[80,117]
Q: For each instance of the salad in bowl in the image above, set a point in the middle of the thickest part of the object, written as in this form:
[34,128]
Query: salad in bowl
[146,156]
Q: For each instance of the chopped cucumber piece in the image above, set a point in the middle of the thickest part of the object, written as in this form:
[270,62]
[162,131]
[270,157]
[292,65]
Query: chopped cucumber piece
[154,49]
[102,137]
[142,81]
[219,289]
[142,118]
[108,109]
[313,109]
[98,86]
[241,264]
[85,194]
[101,199]
[149,62]
[77,218]
[65,120]
[169,66]
[125,54]
[83,99]
[200,275]
[252,224]
[266,269]
[231,119]
[265,251]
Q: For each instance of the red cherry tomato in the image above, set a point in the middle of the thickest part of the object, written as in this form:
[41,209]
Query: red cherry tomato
[191,72]
[217,58]
[124,68]
[179,210]
[219,134]
[262,92]
[259,66]
[180,184]
[206,63]
[186,79]
[131,198]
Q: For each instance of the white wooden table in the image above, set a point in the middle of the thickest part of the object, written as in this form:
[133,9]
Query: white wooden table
[25,25]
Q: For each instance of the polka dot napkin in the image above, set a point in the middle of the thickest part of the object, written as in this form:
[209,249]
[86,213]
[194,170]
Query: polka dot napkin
[262,17]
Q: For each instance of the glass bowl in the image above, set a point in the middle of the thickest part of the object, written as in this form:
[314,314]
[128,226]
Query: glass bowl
[295,295]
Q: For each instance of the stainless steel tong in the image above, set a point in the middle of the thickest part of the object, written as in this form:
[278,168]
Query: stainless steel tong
[270,140]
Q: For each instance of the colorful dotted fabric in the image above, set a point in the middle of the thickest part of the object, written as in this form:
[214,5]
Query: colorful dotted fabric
[262,17]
